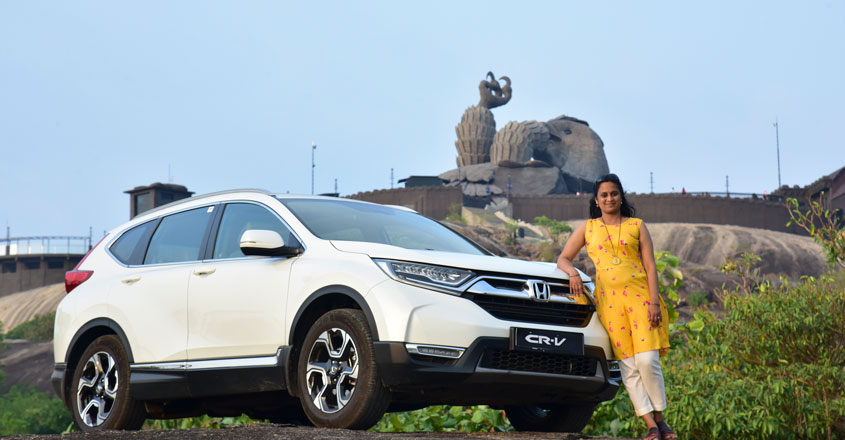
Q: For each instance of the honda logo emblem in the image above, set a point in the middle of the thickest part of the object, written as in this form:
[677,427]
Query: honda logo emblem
[538,290]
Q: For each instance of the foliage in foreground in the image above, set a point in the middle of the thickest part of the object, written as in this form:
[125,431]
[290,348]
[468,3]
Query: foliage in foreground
[824,226]
[445,418]
[25,410]
[39,328]
[773,367]
[201,422]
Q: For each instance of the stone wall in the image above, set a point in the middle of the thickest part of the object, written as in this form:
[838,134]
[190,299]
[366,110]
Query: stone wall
[24,272]
[430,201]
[665,208]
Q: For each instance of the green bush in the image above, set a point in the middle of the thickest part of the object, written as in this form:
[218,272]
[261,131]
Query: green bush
[556,227]
[773,367]
[39,328]
[27,411]
[201,422]
[697,300]
[445,418]
[454,214]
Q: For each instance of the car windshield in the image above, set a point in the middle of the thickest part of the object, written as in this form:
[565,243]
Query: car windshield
[355,221]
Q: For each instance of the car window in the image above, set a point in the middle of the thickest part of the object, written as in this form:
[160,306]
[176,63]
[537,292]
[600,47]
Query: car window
[179,237]
[130,247]
[240,217]
[356,221]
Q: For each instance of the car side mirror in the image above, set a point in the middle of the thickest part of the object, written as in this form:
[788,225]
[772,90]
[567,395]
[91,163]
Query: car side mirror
[266,243]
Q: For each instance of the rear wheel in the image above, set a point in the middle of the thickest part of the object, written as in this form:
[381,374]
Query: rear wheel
[101,398]
[338,380]
[560,418]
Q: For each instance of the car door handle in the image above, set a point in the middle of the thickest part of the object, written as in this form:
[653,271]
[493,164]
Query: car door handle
[130,281]
[202,272]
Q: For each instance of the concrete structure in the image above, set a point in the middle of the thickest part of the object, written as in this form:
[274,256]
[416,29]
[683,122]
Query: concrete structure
[430,201]
[24,272]
[413,181]
[665,208]
[144,198]
[435,202]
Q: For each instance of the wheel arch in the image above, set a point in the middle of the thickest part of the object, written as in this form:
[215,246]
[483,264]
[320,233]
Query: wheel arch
[318,303]
[83,337]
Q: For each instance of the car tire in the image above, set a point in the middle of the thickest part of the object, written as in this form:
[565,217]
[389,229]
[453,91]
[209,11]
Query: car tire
[337,376]
[561,418]
[100,395]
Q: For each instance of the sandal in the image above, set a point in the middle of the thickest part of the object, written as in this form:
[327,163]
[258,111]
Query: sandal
[653,434]
[665,431]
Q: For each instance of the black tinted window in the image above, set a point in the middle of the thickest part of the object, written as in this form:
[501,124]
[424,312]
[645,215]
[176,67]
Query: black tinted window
[130,247]
[239,217]
[179,237]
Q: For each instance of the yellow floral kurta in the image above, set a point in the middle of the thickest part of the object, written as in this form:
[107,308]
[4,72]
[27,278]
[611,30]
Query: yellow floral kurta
[622,290]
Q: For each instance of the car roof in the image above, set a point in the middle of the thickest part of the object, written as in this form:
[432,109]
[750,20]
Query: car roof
[280,196]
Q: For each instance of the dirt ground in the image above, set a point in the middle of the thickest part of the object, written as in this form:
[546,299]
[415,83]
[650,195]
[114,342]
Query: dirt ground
[268,431]
[28,363]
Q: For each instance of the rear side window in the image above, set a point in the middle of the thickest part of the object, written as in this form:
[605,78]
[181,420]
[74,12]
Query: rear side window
[179,237]
[130,247]
[240,217]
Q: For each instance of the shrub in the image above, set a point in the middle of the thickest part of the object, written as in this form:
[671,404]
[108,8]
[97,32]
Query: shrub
[556,227]
[445,418]
[826,227]
[454,214]
[39,328]
[27,411]
[774,367]
[697,300]
[200,422]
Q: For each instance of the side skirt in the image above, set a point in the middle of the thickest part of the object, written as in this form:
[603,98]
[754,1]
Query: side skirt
[209,377]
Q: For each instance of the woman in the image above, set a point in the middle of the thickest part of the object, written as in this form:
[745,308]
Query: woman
[628,301]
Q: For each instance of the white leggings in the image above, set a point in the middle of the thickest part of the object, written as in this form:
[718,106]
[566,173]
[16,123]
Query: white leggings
[643,379]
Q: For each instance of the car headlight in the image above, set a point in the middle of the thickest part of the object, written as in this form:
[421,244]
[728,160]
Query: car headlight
[447,279]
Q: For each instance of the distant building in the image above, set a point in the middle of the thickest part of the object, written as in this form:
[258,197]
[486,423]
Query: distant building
[832,185]
[413,181]
[144,198]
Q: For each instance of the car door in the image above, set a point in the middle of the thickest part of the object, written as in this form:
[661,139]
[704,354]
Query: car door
[150,301]
[236,303]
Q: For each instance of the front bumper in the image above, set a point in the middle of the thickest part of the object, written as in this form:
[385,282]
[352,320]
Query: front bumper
[489,373]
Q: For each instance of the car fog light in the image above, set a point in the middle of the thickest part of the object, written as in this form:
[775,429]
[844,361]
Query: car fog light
[435,350]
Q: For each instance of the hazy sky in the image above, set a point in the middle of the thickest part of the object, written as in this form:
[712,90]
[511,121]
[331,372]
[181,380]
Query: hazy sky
[99,97]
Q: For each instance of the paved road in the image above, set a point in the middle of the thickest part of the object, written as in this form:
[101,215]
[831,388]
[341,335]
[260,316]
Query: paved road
[268,431]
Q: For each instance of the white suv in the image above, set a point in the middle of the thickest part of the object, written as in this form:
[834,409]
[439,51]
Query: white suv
[283,306]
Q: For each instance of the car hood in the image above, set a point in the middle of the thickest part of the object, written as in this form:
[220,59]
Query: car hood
[453,259]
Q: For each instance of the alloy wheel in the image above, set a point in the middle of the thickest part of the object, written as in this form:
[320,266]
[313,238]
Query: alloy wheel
[97,389]
[332,370]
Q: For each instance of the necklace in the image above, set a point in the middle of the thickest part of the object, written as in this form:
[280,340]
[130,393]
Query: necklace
[616,259]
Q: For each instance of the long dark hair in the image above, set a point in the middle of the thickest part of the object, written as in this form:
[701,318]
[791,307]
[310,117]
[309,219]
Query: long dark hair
[626,209]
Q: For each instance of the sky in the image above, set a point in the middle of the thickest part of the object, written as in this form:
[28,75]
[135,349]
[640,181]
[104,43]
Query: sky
[98,97]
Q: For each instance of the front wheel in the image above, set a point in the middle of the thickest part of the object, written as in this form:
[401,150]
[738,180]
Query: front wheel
[338,380]
[560,418]
[100,389]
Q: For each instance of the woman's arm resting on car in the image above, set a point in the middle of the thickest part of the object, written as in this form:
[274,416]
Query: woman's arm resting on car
[570,250]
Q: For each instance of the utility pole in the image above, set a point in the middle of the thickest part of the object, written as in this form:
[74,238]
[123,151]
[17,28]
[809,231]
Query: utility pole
[335,185]
[651,179]
[727,187]
[391,178]
[777,142]
[313,150]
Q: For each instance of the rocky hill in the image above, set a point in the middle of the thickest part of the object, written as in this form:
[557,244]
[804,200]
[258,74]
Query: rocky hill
[700,247]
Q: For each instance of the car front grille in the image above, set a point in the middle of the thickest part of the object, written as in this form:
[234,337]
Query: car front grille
[538,362]
[517,309]
[541,301]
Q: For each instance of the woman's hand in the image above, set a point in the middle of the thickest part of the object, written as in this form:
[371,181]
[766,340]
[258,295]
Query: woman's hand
[654,316]
[576,286]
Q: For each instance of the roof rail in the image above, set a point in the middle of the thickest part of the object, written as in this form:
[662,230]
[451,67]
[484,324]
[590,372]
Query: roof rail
[204,196]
